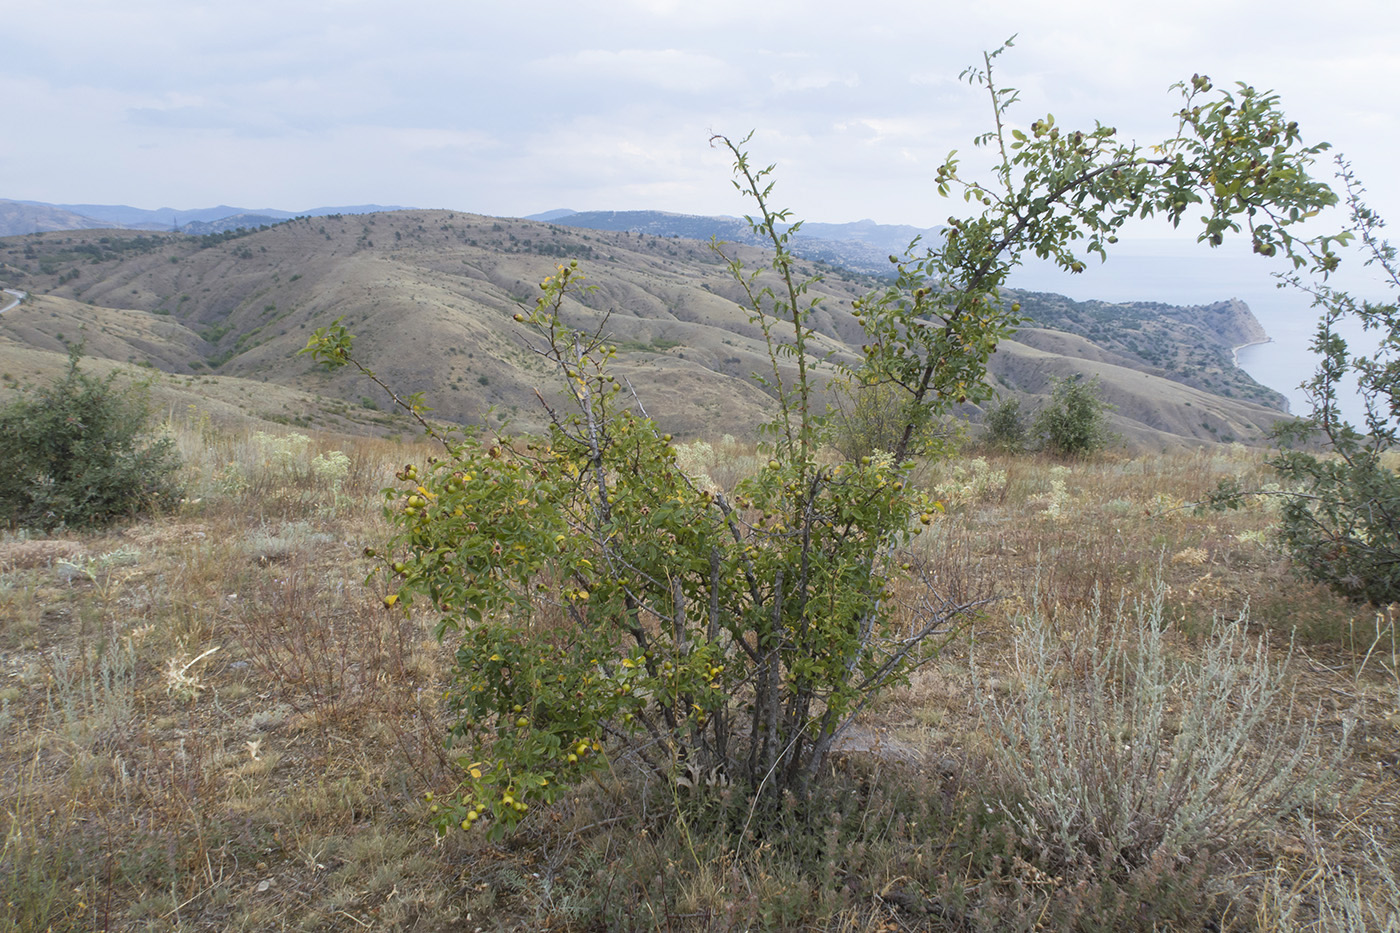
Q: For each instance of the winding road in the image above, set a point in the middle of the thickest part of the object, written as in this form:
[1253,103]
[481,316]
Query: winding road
[18,297]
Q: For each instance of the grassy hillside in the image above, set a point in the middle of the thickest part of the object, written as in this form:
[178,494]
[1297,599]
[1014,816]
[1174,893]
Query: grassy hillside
[212,724]
[431,295]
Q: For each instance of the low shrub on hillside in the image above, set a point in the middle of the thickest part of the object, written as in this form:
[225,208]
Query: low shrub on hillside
[1005,428]
[78,453]
[1121,757]
[1075,420]
[870,419]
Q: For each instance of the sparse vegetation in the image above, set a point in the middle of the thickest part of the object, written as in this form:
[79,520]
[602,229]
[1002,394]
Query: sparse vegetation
[318,725]
[218,719]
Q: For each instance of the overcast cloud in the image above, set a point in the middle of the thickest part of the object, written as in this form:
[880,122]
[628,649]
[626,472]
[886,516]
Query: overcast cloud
[513,108]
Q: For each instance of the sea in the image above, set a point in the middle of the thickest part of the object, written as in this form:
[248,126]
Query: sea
[1185,273]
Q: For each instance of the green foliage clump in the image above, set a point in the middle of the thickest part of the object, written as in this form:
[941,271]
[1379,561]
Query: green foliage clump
[1075,420]
[1343,526]
[76,453]
[870,419]
[1005,430]
[1343,530]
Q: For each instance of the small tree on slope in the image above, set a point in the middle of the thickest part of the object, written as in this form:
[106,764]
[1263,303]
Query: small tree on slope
[1343,522]
[732,637]
[1075,420]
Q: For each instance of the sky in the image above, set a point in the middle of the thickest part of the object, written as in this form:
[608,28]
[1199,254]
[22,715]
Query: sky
[513,108]
[520,107]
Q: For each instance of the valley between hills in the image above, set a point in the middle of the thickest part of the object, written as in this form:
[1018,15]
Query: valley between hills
[430,295]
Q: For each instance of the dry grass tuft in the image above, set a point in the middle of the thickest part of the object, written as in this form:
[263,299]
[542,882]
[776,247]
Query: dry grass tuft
[1120,754]
[28,555]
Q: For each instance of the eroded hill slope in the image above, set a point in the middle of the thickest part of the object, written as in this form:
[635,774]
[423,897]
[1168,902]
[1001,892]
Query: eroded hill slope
[431,296]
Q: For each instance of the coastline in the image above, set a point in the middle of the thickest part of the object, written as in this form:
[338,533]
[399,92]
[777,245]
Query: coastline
[1235,354]
[1235,351]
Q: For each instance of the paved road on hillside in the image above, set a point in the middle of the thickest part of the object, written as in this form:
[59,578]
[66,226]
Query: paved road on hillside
[18,296]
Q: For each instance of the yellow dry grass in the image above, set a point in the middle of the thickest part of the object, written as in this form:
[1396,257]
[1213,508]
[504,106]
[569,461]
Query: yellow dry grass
[211,722]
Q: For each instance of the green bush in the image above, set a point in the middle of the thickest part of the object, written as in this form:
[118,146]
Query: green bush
[1343,526]
[612,599]
[602,597]
[869,419]
[1004,428]
[1341,514]
[1075,420]
[76,453]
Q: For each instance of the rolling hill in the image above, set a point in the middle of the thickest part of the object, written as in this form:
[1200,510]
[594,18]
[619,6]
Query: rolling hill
[431,295]
[19,217]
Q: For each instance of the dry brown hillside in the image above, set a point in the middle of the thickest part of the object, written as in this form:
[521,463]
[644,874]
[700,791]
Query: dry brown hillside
[431,295]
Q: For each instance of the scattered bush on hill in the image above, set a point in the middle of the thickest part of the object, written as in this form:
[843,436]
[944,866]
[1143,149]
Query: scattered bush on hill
[869,419]
[1004,428]
[77,453]
[1075,420]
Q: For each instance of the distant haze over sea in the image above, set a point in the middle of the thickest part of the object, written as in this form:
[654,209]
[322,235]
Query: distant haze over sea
[1185,273]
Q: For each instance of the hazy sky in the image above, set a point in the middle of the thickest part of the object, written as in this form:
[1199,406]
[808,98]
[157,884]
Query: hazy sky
[517,107]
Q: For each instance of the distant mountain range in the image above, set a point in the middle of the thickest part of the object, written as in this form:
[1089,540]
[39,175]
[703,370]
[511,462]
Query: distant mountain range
[860,247]
[863,246]
[19,217]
